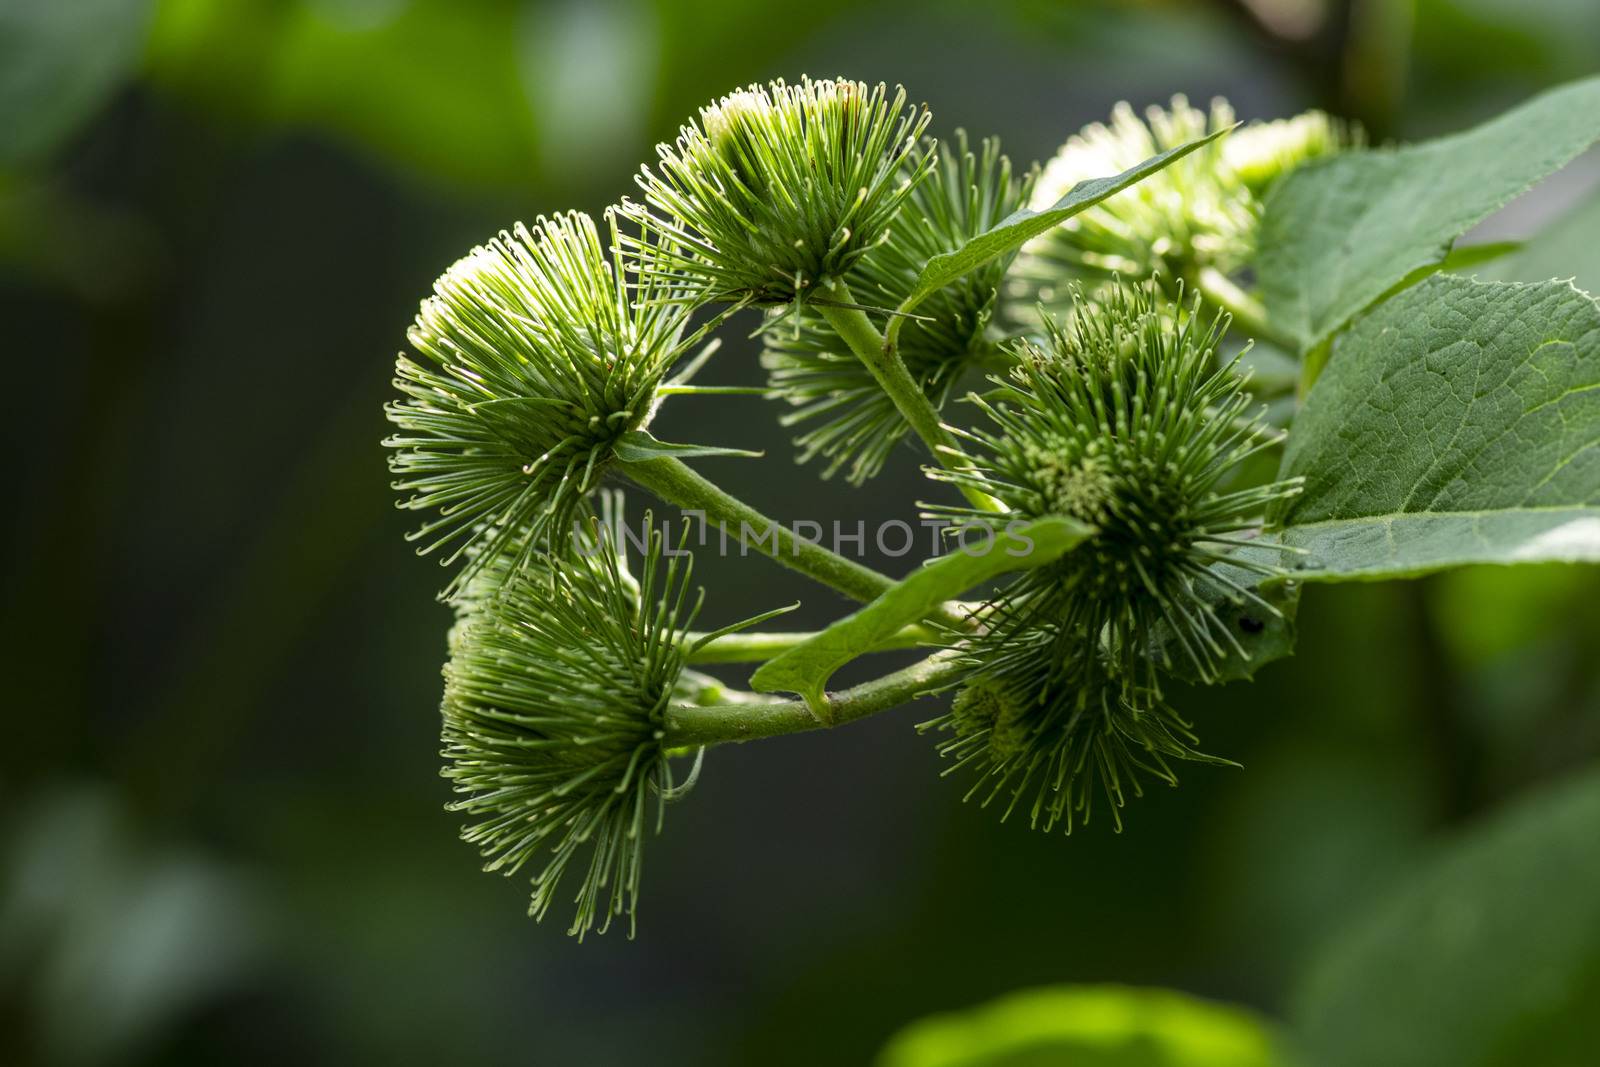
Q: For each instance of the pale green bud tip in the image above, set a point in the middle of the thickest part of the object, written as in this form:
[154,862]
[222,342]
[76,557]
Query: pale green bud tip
[1194,211]
[1262,152]
[1199,212]
[776,188]
[532,357]
[726,119]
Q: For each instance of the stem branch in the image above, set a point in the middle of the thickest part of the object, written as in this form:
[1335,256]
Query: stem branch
[1311,367]
[857,331]
[759,646]
[688,725]
[1248,314]
[677,484]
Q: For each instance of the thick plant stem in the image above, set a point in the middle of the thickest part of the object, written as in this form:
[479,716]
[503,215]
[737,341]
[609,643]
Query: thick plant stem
[758,646]
[675,483]
[688,725]
[1249,317]
[857,331]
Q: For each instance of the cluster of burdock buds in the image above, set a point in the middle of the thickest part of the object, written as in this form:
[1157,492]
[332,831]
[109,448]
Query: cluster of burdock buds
[883,265]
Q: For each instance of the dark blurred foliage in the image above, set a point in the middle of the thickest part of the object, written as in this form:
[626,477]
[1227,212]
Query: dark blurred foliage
[222,821]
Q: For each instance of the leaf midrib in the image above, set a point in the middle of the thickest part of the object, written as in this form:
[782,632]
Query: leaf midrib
[1391,516]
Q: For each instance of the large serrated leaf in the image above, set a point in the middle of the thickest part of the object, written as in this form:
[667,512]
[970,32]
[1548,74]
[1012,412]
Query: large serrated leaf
[1458,423]
[806,668]
[1488,956]
[1011,232]
[1340,233]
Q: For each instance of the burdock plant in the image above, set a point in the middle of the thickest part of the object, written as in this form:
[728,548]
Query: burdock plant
[1127,508]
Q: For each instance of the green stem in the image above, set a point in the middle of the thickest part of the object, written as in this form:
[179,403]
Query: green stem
[688,725]
[708,691]
[1249,316]
[756,647]
[1311,367]
[677,484]
[857,331]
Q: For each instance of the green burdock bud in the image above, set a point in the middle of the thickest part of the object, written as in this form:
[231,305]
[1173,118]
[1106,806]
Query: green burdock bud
[554,701]
[1263,152]
[814,370]
[532,358]
[1194,212]
[1201,212]
[1127,421]
[776,188]
[1047,736]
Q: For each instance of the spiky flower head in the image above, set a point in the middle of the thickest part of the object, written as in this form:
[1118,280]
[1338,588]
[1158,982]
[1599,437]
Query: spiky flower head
[1193,211]
[554,704]
[778,187]
[811,367]
[1263,152]
[1046,735]
[1199,212]
[532,357]
[1127,420]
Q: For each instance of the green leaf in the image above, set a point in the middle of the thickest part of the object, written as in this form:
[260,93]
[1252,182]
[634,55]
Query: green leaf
[638,446]
[1464,258]
[1458,423]
[1339,234]
[1489,955]
[1460,260]
[59,62]
[1088,1026]
[1011,232]
[806,668]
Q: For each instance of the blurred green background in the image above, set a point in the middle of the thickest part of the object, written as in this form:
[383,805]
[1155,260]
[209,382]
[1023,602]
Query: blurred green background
[222,827]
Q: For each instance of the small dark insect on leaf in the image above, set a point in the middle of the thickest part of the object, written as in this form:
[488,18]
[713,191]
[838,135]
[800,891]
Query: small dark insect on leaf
[1250,624]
